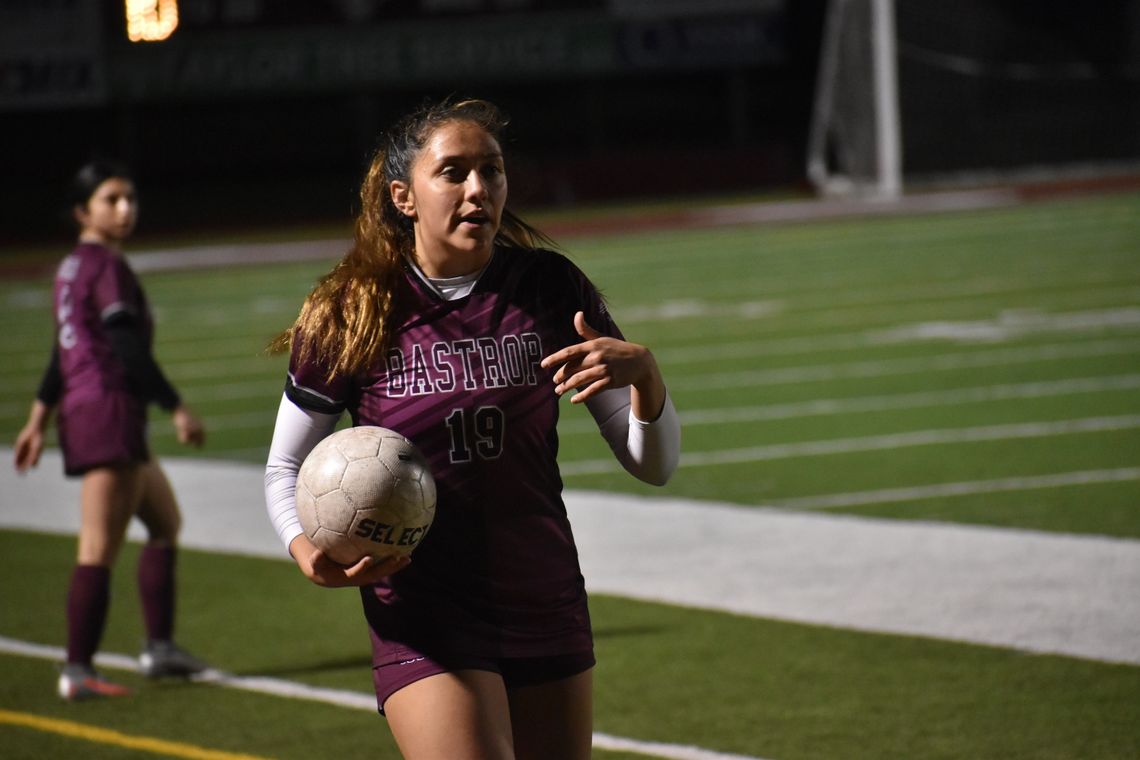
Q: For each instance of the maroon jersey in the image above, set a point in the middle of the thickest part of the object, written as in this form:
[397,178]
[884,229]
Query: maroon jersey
[498,573]
[92,285]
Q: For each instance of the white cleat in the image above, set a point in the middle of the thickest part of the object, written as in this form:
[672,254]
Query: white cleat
[165,658]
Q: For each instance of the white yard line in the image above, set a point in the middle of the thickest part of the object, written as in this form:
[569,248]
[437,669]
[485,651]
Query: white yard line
[934,437]
[962,488]
[1027,590]
[908,365]
[889,402]
[709,352]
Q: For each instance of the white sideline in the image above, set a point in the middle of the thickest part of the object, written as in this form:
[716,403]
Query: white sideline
[1032,591]
[352,699]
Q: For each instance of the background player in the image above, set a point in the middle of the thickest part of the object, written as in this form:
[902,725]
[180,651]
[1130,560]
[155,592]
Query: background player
[446,323]
[101,377]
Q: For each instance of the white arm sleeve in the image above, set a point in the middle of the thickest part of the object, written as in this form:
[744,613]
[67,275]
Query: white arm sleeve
[296,433]
[647,450]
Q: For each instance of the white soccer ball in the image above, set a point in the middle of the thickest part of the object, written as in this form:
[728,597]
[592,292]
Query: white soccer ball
[365,491]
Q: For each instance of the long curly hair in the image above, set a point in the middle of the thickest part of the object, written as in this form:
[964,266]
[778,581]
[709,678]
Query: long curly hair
[344,321]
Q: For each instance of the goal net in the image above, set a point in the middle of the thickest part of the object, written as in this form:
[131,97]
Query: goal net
[974,91]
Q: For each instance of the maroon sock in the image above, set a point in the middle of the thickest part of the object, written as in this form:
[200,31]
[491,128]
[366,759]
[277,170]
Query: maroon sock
[156,590]
[88,599]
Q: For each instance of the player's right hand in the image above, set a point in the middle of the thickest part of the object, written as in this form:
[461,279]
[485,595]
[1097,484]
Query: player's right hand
[371,570]
[322,571]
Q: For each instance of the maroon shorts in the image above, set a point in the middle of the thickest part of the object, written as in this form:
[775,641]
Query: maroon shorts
[411,666]
[100,431]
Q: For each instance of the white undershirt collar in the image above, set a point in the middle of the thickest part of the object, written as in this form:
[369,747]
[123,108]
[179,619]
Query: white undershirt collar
[450,288]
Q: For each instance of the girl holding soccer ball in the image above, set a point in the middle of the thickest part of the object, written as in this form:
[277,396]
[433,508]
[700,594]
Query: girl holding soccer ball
[101,377]
[449,323]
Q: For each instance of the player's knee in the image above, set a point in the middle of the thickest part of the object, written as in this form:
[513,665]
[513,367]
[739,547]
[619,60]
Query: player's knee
[174,527]
[165,530]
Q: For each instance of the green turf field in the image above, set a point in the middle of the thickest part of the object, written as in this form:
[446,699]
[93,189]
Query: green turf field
[977,367]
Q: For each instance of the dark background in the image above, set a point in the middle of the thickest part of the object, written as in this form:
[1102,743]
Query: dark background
[264,113]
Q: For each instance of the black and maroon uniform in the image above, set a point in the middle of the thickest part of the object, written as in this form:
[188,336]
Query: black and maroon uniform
[102,374]
[498,574]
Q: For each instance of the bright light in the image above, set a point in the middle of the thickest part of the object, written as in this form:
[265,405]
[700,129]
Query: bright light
[151,20]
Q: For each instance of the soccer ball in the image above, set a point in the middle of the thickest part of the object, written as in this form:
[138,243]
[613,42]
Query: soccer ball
[365,491]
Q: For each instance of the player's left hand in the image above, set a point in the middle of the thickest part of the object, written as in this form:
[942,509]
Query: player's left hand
[188,427]
[599,362]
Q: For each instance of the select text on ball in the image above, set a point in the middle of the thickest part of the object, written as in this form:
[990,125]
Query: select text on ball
[381,533]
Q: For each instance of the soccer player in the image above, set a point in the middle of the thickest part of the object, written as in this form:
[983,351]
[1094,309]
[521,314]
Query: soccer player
[100,379]
[447,323]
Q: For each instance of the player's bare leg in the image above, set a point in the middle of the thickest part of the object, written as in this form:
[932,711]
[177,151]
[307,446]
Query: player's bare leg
[554,721]
[158,507]
[108,497]
[461,716]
